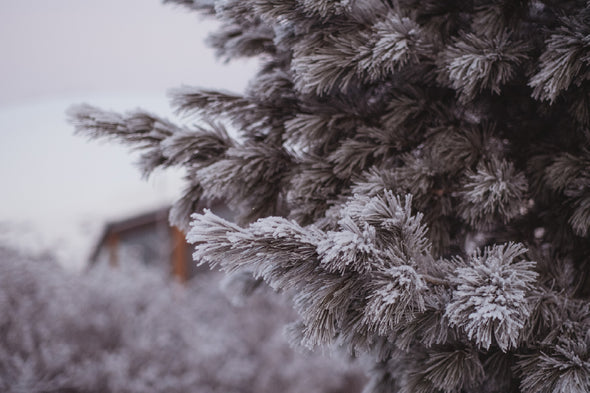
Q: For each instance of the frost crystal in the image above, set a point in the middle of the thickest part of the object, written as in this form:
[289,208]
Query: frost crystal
[351,248]
[561,367]
[397,293]
[490,301]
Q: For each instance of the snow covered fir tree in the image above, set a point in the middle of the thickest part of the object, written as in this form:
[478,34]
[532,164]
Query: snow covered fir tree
[416,174]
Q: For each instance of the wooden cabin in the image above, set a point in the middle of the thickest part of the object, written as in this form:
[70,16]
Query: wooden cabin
[149,239]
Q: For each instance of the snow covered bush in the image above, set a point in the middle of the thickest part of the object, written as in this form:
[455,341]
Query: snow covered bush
[416,172]
[133,331]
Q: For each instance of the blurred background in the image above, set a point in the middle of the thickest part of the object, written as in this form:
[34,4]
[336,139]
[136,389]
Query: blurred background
[59,190]
[97,292]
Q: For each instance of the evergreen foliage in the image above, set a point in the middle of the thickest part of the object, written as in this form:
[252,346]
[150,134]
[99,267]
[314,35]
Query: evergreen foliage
[416,172]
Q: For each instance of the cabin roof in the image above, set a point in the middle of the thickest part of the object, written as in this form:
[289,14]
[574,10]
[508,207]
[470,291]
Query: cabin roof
[129,225]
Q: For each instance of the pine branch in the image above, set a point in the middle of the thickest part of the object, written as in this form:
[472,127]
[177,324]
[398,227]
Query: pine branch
[569,175]
[139,129]
[565,59]
[233,42]
[336,61]
[491,302]
[496,191]
[188,100]
[563,366]
[473,63]
[163,144]
[249,176]
[448,370]
[204,6]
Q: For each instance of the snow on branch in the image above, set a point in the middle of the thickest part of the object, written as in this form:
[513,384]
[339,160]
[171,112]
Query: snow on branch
[447,370]
[565,60]
[276,249]
[569,175]
[495,191]
[491,301]
[378,260]
[233,42]
[473,64]
[189,100]
[204,6]
[251,174]
[248,115]
[287,255]
[325,8]
[563,366]
[395,294]
[336,60]
[163,143]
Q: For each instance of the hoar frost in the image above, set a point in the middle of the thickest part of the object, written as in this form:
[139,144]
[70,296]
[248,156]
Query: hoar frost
[490,301]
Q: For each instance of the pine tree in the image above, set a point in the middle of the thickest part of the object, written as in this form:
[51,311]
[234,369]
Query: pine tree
[416,173]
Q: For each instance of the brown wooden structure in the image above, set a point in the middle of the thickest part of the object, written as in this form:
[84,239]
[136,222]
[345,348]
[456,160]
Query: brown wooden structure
[151,239]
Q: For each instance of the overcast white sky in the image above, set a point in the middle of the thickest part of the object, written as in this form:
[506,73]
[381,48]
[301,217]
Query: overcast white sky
[57,190]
